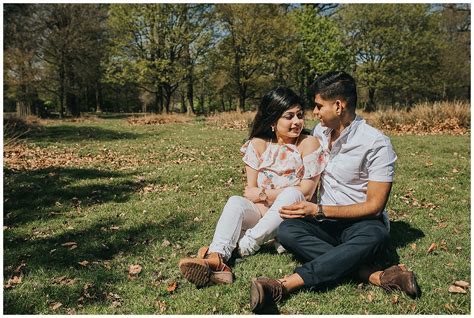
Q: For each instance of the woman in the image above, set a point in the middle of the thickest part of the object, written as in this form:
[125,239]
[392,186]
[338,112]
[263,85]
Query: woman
[282,166]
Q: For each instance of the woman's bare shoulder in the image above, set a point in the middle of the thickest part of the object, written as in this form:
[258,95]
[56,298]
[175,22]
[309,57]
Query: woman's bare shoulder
[259,144]
[308,144]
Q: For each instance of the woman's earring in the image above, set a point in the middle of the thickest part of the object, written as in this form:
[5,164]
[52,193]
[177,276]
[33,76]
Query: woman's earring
[273,128]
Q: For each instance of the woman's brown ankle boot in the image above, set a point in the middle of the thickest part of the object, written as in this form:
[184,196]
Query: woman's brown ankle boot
[206,269]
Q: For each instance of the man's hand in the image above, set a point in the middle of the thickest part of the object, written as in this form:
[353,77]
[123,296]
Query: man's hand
[252,194]
[298,210]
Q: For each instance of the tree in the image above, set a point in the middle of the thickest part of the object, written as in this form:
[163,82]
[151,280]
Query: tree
[148,47]
[21,68]
[251,47]
[71,50]
[396,48]
[321,42]
[455,73]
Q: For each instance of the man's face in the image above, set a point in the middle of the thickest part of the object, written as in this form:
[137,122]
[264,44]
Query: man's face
[326,111]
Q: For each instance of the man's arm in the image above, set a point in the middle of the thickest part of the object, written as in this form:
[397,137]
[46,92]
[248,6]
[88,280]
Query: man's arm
[377,196]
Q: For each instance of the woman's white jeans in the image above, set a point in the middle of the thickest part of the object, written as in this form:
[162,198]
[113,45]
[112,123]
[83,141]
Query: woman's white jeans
[242,223]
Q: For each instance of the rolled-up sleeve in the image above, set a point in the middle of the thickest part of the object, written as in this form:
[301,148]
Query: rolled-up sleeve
[381,160]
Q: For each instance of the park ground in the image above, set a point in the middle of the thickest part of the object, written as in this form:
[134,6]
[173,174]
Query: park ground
[98,212]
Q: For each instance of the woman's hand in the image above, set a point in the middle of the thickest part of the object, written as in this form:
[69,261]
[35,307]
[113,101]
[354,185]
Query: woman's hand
[298,210]
[252,194]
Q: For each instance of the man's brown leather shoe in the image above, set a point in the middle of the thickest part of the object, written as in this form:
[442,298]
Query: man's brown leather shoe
[395,278]
[265,293]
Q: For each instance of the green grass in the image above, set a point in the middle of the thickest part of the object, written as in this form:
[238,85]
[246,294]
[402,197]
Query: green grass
[105,205]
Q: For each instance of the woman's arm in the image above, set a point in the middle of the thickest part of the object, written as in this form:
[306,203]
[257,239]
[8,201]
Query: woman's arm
[306,186]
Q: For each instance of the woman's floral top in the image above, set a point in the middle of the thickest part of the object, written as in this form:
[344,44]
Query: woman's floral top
[282,166]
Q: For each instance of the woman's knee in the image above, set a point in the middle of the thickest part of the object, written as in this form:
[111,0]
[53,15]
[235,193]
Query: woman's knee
[292,194]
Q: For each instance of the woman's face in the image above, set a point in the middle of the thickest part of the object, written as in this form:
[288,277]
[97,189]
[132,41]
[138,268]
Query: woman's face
[290,124]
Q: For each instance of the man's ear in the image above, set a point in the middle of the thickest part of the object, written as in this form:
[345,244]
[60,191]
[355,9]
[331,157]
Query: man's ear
[340,107]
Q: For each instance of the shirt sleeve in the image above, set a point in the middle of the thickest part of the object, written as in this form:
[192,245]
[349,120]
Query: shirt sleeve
[250,156]
[314,163]
[381,160]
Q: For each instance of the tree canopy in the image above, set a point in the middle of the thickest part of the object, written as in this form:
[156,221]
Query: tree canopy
[203,58]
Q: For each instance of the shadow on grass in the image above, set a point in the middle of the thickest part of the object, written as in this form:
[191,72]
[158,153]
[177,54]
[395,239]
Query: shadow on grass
[75,133]
[96,244]
[401,234]
[45,193]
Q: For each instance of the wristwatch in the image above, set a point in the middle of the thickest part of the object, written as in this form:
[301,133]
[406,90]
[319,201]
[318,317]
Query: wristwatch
[262,195]
[320,215]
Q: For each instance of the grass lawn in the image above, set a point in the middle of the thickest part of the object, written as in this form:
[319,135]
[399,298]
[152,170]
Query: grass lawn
[99,196]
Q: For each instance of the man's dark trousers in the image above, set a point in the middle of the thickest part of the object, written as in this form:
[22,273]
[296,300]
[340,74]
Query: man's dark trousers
[331,248]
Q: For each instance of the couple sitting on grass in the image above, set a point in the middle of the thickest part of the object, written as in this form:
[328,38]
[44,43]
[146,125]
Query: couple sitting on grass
[341,235]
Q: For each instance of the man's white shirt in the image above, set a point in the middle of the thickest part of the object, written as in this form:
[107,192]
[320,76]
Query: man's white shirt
[360,154]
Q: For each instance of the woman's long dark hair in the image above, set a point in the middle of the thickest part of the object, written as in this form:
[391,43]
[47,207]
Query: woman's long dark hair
[272,106]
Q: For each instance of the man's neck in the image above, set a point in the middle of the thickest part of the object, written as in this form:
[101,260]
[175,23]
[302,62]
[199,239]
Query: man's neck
[345,122]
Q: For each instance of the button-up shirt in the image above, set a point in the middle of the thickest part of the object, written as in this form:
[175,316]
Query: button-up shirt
[360,154]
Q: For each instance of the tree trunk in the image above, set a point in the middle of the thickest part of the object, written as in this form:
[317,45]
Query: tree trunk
[242,96]
[184,109]
[190,95]
[222,103]
[201,103]
[370,107]
[72,105]
[98,97]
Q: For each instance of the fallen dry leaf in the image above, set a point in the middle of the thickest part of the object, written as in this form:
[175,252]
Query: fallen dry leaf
[83,263]
[20,267]
[455,170]
[71,311]
[461,283]
[456,289]
[134,270]
[161,305]
[15,280]
[55,306]
[63,280]
[413,246]
[69,244]
[114,228]
[115,304]
[394,299]
[165,243]
[171,287]
[403,267]
[432,247]
[370,297]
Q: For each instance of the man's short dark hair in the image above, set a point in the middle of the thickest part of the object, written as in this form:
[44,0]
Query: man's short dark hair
[336,85]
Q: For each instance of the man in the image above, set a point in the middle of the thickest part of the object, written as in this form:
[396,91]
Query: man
[346,229]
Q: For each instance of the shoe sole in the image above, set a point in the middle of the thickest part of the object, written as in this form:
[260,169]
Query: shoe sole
[196,273]
[256,293]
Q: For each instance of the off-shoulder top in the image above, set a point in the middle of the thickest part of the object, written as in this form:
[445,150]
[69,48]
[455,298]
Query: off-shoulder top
[281,165]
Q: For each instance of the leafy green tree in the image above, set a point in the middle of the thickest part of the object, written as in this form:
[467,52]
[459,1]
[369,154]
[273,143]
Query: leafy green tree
[252,47]
[323,42]
[70,49]
[455,73]
[148,47]
[396,48]
[21,64]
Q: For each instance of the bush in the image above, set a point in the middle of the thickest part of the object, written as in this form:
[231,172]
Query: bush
[440,117]
[15,128]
